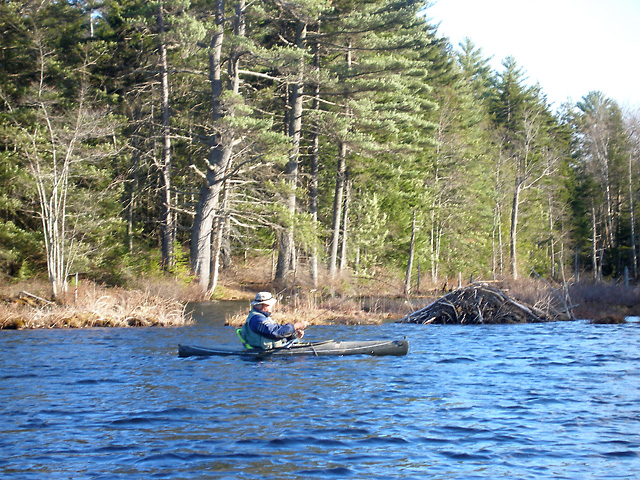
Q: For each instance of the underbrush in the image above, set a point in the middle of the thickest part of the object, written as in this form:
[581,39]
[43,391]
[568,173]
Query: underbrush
[605,303]
[597,302]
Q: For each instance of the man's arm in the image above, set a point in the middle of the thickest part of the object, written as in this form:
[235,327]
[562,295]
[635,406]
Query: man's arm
[271,329]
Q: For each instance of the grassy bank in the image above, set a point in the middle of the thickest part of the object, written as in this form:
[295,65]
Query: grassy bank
[334,311]
[90,305]
[598,303]
[347,299]
[605,303]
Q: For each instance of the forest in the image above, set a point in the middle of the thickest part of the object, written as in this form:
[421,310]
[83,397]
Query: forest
[176,137]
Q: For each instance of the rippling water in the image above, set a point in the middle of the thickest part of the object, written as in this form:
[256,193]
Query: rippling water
[558,400]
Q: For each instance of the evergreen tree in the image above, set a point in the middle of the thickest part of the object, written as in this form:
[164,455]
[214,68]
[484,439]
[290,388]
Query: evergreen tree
[523,124]
[382,122]
[602,147]
[301,16]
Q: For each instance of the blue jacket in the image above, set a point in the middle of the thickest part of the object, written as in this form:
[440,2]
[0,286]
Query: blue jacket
[261,331]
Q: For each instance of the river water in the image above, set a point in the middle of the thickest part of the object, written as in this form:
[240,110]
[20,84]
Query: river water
[555,400]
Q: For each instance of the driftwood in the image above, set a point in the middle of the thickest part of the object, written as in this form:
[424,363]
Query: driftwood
[481,303]
[33,300]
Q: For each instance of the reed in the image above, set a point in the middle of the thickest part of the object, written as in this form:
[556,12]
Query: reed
[605,302]
[602,302]
[349,298]
[93,306]
[318,310]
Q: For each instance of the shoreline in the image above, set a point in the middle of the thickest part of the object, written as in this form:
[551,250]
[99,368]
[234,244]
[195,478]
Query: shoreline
[97,307]
[165,305]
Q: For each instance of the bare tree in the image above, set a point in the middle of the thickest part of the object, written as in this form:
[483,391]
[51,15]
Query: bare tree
[632,122]
[532,163]
[168,223]
[596,139]
[337,208]
[52,143]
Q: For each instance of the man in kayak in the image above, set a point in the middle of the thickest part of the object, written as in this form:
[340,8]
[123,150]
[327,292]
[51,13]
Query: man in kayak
[261,331]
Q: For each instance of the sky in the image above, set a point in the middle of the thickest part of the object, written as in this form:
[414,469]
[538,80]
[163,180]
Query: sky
[569,47]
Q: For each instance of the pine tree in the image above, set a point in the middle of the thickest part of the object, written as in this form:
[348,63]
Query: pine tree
[303,15]
[523,126]
[601,144]
[384,99]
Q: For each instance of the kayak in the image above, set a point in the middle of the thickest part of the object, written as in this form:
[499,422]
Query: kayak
[314,349]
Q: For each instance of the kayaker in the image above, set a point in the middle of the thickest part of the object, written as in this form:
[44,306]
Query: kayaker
[261,331]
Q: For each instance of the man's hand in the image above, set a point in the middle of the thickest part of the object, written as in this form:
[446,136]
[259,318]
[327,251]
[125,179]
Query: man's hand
[300,325]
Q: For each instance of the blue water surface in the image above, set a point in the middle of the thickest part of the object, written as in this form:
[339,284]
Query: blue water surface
[553,400]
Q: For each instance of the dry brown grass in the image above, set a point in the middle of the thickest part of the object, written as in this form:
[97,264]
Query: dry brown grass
[315,310]
[597,302]
[347,299]
[317,316]
[169,288]
[605,303]
[92,306]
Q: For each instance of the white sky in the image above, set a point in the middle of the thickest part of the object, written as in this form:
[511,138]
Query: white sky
[570,47]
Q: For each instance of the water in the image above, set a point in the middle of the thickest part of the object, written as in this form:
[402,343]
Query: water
[558,400]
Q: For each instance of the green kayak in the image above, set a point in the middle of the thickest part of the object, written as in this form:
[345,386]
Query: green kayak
[317,349]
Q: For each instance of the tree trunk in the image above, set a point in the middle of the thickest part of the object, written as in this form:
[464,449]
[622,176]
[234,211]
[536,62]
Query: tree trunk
[130,191]
[315,162]
[609,217]
[339,192]
[225,165]
[239,30]
[496,236]
[412,247]
[345,225]
[286,244]
[514,230]
[226,254]
[436,243]
[432,245]
[167,222]
[218,232]
[203,221]
[313,205]
[218,162]
[337,209]
[602,155]
[498,252]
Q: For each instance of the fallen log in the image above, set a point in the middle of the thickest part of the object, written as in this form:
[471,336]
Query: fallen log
[481,303]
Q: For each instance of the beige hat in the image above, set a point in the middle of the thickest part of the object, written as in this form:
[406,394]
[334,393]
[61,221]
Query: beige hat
[264,298]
